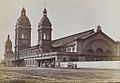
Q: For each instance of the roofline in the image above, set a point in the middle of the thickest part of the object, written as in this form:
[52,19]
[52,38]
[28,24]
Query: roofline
[73,35]
[103,34]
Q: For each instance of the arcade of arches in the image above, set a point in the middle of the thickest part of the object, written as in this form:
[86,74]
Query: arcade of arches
[98,50]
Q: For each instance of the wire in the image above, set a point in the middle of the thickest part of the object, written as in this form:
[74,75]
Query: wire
[23,3]
[45,2]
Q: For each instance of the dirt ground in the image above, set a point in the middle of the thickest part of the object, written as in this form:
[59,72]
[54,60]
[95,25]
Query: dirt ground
[51,75]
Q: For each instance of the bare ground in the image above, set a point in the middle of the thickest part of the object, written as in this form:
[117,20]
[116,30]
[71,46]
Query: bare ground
[51,75]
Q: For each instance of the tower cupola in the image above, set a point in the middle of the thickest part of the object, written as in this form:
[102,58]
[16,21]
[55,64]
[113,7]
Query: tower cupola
[44,33]
[22,32]
[23,11]
[23,19]
[8,42]
[45,20]
[8,45]
[45,11]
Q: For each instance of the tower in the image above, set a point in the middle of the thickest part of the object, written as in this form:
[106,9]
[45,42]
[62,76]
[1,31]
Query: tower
[8,55]
[22,33]
[8,46]
[44,33]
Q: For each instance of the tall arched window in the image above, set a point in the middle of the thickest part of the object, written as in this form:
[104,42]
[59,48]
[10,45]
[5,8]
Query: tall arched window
[64,59]
[23,36]
[99,51]
[44,35]
[108,53]
[89,52]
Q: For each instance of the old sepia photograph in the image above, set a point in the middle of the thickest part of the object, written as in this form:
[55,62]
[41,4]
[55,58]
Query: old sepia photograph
[59,41]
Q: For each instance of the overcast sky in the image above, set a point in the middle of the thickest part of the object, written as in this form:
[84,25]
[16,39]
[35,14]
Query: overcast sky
[67,17]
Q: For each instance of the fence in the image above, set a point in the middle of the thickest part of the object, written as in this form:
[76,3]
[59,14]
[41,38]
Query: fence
[91,64]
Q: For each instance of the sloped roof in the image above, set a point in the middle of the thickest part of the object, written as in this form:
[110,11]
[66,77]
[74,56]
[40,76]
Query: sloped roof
[45,20]
[8,42]
[97,33]
[65,40]
[28,49]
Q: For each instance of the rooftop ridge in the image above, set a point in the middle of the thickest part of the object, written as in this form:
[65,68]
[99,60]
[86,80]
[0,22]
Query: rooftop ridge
[92,30]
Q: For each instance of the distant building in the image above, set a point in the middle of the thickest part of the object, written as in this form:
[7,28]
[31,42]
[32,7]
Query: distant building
[84,46]
[9,55]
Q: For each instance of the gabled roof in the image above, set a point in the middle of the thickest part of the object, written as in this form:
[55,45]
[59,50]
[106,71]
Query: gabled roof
[98,33]
[65,40]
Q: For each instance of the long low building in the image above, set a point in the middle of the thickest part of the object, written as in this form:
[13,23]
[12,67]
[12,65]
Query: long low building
[89,45]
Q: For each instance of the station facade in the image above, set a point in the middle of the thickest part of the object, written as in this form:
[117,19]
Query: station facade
[89,45]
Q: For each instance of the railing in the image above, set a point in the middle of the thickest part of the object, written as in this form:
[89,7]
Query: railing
[32,56]
[50,53]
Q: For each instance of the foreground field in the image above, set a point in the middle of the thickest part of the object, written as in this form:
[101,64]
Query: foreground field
[50,75]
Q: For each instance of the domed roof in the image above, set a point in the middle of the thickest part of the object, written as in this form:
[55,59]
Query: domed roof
[23,19]
[45,20]
[8,42]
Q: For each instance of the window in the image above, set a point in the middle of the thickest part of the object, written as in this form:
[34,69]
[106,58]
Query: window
[73,58]
[108,53]
[89,52]
[73,49]
[64,59]
[99,51]
[23,36]
[70,49]
[44,35]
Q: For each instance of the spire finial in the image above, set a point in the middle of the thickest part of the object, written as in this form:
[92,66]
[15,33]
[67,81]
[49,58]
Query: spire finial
[23,11]
[99,28]
[45,11]
[23,3]
[8,36]
[44,3]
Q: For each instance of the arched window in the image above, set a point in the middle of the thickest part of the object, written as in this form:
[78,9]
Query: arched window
[99,51]
[73,49]
[48,36]
[64,59]
[89,52]
[108,53]
[23,36]
[44,35]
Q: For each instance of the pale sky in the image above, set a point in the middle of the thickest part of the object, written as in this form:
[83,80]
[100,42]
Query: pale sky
[67,17]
